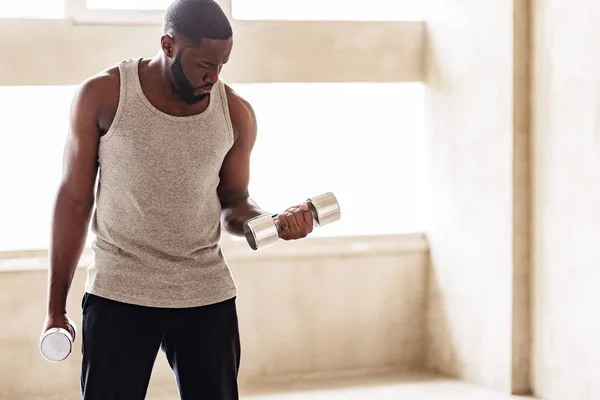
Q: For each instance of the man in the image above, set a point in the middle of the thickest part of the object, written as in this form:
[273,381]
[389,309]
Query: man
[172,145]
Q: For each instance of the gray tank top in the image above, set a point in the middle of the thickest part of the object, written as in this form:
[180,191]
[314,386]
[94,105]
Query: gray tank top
[157,220]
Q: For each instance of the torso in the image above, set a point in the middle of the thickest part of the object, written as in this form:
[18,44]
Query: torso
[157,218]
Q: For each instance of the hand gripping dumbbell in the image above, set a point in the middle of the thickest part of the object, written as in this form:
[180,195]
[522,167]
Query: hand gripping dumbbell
[57,343]
[263,231]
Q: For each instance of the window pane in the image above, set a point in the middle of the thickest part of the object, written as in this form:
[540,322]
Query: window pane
[31,146]
[374,10]
[32,8]
[128,4]
[365,142]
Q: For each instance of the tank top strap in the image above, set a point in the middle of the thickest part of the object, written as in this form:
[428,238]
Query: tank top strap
[128,70]
[221,103]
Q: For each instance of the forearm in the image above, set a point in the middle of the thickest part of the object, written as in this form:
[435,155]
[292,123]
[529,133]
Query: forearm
[234,215]
[70,221]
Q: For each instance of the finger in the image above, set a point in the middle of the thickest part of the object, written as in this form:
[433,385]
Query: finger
[294,229]
[300,220]
[283,226]
[308,217]
[72,331]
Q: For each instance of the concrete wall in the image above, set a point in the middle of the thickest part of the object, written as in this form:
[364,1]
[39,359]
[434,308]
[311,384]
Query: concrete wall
[312,308]
[477,121]
[263,51]
[513,114]
[566,132]
[469,118]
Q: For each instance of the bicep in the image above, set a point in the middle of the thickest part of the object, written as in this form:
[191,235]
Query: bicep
[235,171]
[80,160]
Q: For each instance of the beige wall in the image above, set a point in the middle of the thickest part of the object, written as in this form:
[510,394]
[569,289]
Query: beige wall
[513,120]
[476,72]
[316,308]
[263,51]
[469,118]
[566,277]
[520,373]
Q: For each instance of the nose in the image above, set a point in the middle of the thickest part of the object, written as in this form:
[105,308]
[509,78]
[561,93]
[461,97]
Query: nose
[212,76]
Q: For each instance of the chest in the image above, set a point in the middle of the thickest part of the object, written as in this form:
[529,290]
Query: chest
[159,150]
[162,105]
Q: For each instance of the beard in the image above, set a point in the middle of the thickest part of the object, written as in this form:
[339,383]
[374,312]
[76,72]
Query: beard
[182,86]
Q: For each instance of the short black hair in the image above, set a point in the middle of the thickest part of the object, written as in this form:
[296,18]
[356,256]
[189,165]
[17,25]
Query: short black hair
[194,20]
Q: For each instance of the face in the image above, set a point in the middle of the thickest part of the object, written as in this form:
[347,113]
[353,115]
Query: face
[194,70]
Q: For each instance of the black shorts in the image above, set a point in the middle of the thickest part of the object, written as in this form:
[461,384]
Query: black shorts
[120,343]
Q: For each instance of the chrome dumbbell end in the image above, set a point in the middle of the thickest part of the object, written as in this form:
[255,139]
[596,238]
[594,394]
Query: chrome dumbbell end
[325,209]
[263,231]
[57,343]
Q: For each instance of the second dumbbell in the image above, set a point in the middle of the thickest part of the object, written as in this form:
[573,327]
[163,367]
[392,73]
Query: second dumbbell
[57,343]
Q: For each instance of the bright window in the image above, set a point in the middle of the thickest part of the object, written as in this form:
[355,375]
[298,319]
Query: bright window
[128,4]
[365,142]
[31,145]
[32,8]
[373,10]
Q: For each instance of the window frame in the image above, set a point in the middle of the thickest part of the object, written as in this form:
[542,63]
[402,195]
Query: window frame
[79,13]
[239,16]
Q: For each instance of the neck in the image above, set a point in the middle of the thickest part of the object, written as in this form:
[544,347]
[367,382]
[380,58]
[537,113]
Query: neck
[160,68]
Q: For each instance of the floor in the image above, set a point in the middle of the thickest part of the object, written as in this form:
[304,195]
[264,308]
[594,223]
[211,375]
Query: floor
[384,387]
[413,387]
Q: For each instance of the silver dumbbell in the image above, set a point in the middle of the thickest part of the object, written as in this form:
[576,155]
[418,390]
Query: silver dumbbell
[263,231]
[57,343]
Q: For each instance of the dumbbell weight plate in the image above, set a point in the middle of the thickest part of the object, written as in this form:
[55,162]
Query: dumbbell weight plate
[261,230]
[56,344]
[325,208]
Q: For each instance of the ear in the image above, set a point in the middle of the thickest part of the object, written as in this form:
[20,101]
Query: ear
[167,44]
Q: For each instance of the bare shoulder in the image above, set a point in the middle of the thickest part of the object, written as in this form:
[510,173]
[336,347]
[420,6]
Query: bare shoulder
[98,96]
[242,115]
[101,86]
